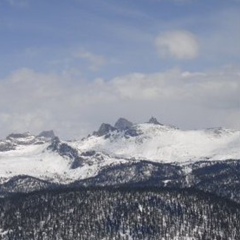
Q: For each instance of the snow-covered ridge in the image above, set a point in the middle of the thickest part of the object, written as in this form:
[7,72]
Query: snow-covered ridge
[14,140]
[46,157]
[157,142]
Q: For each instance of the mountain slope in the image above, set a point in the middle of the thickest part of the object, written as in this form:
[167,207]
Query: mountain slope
[162,143]
[48,159]
[150,154]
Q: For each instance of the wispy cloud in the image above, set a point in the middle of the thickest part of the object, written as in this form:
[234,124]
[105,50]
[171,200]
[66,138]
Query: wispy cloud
[177,44]
[18,3]
[96,62]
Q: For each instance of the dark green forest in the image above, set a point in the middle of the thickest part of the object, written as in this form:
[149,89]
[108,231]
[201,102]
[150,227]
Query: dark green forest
[118,213]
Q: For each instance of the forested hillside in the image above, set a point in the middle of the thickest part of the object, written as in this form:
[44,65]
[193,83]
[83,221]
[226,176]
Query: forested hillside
[111,213]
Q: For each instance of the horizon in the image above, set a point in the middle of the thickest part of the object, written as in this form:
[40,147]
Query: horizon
[112,124]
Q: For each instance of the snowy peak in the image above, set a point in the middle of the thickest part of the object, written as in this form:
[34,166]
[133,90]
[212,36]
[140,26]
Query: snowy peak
[21,138]
[123,124]
[14,140]
[47,134]
[104,129]
[27,138]
[154,120]
[162,143]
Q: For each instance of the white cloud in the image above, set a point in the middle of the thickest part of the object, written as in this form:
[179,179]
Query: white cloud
[96,61]
[177,44]
[31,101]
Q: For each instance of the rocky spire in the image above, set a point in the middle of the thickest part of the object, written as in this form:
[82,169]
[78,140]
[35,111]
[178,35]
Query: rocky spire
[104,129]
[153,120]
[123,124]
[47,134]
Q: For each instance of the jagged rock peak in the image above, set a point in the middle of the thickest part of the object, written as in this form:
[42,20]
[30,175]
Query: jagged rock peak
[104,129]
[153,120]
[123,124]
[47,134]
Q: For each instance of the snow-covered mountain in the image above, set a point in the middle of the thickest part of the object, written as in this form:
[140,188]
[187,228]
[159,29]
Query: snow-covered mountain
[120,154]
[161,143]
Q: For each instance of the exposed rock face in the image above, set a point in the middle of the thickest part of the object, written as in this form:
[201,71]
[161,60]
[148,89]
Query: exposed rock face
[6,146]
[77,162]
[123,124]
[55,144]
[47,134]
[153,120]
[132,132]
[104,129]
[65,150]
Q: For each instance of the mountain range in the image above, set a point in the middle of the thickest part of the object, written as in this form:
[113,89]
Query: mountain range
[146,154]
[122,182]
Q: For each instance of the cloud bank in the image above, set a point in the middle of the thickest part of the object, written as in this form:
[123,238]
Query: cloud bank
[32,101]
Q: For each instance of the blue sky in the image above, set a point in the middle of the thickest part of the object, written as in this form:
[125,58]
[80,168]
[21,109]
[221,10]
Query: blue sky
[43,35]
[92,47]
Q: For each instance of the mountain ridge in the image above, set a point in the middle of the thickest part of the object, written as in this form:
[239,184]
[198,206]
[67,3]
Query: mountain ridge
[126,153]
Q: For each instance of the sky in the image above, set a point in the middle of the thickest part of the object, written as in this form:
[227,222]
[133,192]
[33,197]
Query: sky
[70,65]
